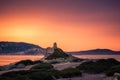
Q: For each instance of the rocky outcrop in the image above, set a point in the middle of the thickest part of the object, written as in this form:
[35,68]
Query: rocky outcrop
[57,54]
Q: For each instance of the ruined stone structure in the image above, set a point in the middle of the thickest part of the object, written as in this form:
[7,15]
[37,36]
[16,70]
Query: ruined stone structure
[57,54]
[55,46]
[50,50]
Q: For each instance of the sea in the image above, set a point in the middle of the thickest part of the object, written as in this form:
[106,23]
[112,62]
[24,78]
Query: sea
[8,59]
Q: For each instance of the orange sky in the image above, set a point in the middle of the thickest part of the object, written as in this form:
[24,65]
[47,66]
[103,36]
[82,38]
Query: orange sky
[73,25]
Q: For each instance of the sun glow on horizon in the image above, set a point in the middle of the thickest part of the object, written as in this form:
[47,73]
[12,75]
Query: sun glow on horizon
[23,32]
[74,25]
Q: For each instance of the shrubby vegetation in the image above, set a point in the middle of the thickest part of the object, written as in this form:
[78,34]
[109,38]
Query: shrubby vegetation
[37,61]
[28,62]
[99,66]
[42,66]
[42,71]
[1,68]
[38,75]
[25,62]
[26,75]
[71,72]
[77,60]
[45,71]
[20,64]
[112,70]
[54,62]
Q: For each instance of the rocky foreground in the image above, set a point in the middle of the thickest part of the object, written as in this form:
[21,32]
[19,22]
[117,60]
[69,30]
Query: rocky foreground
[74,70]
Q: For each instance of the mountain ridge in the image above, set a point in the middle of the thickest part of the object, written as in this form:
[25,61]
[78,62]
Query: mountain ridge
[17,48]
[23,48]
[96,52]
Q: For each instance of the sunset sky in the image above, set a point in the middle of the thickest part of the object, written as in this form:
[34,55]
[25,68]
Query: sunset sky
[74,24]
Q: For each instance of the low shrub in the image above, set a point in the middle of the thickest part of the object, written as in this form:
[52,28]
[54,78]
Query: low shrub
[25,62]
[112,70]
[55,73]
[37,62]
[77,60]
[70,72]
[42,66]
[99,66]
[42,71]
[16,78]
[40,76]
[30,75]
[54,62]
[16,75]
[1,68]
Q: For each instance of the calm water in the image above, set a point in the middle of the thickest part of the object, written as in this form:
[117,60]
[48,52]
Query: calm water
[14,58]
[7,59]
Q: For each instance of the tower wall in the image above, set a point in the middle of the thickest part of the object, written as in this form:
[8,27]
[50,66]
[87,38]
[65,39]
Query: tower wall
[55,45]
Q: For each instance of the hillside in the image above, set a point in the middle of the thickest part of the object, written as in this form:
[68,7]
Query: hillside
[96,52]
[19,48]
[58,53]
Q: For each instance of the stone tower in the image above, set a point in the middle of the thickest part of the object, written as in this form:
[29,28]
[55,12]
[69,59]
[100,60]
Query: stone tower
[50,50]
[55,45]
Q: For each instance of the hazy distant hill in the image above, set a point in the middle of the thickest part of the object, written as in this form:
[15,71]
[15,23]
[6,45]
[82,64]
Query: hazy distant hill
[19,48]
[96,52]
[14,48]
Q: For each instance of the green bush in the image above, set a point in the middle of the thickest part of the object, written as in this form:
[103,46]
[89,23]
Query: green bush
[16,78]
[77,60]
[54,62]
[99,66]
[40,76]
[70,72]
[16,75]
[91,67]
[42,71]
[36,62]
[30,75]
[25,62]
[42,66]
[112,70]
[108,62]
[1,68]
[55,73]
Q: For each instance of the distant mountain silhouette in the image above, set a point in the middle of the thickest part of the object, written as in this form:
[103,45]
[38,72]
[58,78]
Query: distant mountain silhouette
[22,48]
[96,52]
[7,48]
